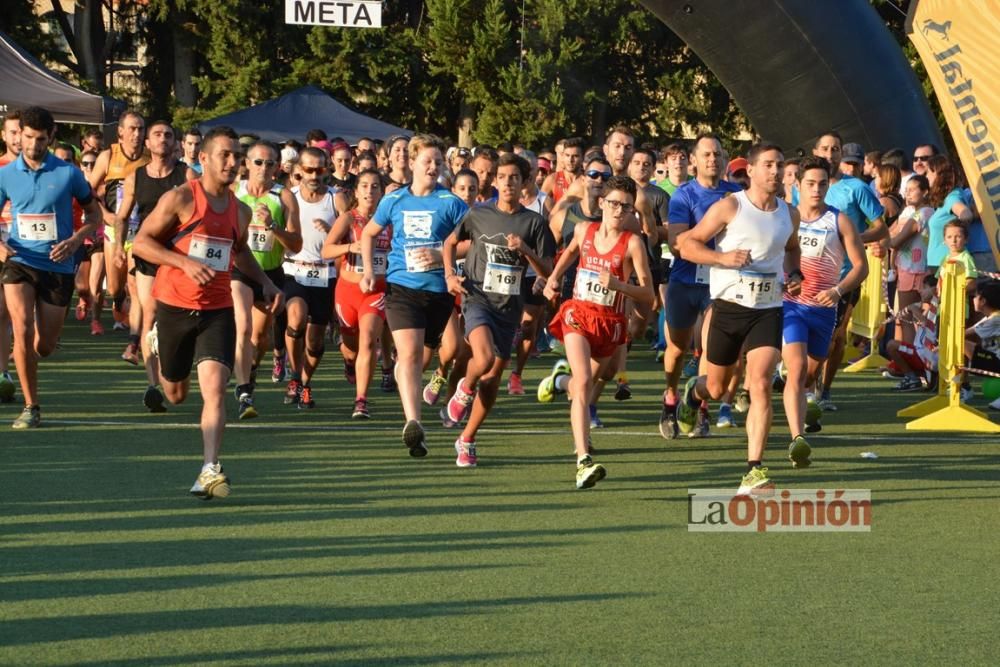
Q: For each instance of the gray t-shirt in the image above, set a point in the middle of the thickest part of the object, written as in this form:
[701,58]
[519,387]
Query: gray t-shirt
[494,274]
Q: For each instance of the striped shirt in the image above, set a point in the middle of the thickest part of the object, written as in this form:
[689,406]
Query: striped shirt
[822,256]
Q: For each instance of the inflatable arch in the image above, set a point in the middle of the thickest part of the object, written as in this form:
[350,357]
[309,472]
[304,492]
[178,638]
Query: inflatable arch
[798,67]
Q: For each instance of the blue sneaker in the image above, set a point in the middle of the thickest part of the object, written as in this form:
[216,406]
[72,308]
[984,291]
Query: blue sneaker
[595,421]
[725,417]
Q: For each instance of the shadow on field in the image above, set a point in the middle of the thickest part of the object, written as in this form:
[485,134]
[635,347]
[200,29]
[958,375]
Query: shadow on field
[188,552]
[322,655]
[97,626]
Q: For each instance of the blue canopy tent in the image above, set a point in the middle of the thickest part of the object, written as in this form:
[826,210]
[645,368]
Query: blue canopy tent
[293,114]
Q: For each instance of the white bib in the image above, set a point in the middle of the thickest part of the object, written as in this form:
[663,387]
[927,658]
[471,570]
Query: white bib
[37,226]
[757,289]
[502,279]
[588,288]
[309,274]
[812,242]
[702,273]
[261,238]
[210,251]
[415,263]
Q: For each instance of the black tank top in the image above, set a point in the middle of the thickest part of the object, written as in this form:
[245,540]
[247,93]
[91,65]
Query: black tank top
[574,215]
[894,196]
[148,190]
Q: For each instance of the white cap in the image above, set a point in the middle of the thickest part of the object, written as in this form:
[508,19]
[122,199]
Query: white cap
[289,154]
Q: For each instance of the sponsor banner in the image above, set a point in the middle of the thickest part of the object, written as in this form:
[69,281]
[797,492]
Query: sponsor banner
[788,510]
[956,40]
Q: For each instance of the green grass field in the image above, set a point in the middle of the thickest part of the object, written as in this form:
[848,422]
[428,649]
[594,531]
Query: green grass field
[338,548]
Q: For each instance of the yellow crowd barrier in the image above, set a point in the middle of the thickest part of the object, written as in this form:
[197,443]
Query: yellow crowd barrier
[945,412]
[869,315]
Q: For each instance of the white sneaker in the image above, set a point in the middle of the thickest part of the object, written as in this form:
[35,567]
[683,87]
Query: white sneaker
[153,341]
[211,483]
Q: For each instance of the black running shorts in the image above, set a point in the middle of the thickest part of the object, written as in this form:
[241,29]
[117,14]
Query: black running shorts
[50,287]
[407,308]
[188,337]
[735,328]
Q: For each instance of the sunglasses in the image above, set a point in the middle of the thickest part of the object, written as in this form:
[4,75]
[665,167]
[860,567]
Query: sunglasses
[313,170]
[595,175]
[260,162]
[88,163]
[921,158]
[615,205]
[661,172]
[297,177]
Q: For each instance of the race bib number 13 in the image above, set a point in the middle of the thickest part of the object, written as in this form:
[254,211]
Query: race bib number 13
[36,226]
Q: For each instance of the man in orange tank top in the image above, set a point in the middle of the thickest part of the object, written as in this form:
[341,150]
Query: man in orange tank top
[557,183]
[196,234]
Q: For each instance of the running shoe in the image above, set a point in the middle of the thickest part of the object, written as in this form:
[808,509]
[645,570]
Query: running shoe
[292,392]
[466,453]
[814,414]
[756,483]
[725,417]
[595,421]
[966,393]
[741,402]
[659,356]
[589,473]
[687,417]
[350,374]
[212,482]
[623,392]
[7,388]
[514,386]
[361,409]
[690,368]
[995,405]
[153,340]
[893,373]
[119,326]
[247,410]
[701,428]
[547,389]
[306,401]
[153,400]
[433,390]
[445,421]
[798,452]
[96,328]
[668,421]
[29,418]
[413,438]
[460,404]
[826,402]
[278,369]
[389,384]
[81,310]
[131,354]
[778,381]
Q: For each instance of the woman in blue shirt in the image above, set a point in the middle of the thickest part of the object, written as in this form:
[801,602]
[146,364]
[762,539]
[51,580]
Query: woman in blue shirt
[949,204]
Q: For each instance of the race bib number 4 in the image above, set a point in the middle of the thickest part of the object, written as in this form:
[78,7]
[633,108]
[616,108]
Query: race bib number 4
[211,251]
[502,279]
[588,288]
[37,227]
[757,289]
[423,257]
[261,238]
[812,242]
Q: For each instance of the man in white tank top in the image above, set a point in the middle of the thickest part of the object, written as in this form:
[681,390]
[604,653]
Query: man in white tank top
[756,258]
[309,279]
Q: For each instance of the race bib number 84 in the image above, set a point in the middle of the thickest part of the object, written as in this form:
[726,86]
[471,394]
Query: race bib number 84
[211,251]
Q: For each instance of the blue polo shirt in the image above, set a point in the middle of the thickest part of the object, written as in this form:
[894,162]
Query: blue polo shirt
[855,199]
[418,222]
[37,198]
[688,205]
